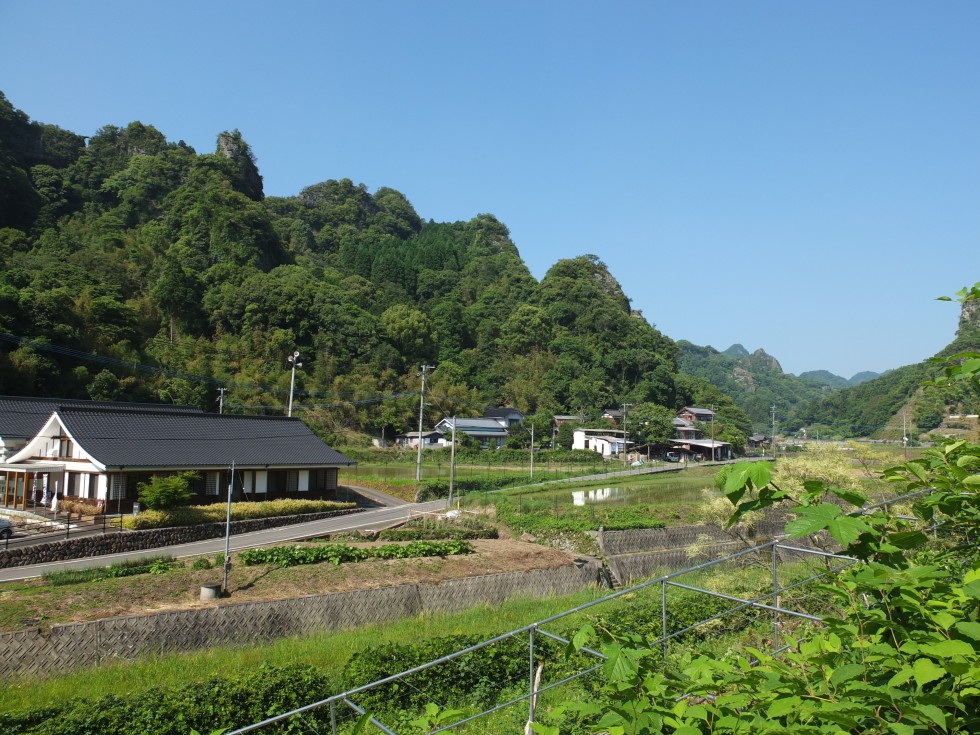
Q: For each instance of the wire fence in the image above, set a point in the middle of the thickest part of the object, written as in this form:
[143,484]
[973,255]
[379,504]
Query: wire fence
[768,603]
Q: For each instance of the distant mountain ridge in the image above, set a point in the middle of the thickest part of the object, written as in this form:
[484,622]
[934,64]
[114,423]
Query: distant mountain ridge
[756,381]
[836,381]
[882,406]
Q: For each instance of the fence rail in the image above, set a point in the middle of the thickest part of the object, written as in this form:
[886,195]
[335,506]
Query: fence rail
[772,553]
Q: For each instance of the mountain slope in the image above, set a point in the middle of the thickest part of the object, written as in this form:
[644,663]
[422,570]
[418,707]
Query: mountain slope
[754,381]
[140,269]
[871,407]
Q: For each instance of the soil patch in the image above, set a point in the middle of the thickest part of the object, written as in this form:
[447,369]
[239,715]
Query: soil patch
[35,602]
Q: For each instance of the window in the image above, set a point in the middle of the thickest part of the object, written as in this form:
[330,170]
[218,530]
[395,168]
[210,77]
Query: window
[211,483]
[64,447]
[117,490]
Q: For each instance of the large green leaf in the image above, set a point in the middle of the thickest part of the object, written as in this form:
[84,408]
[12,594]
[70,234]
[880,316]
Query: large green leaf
[827,516]
[925,671]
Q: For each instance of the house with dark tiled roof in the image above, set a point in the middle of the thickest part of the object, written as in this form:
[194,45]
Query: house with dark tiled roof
[102,452]
[21,418]
[694,414]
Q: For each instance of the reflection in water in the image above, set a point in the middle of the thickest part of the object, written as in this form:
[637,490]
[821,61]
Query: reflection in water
[583,497]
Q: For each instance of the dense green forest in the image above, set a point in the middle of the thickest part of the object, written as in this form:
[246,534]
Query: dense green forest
[134,268]
[755,381]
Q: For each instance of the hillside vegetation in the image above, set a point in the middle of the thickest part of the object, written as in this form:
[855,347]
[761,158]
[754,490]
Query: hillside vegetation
[876,407]
[133,267]
[136,268]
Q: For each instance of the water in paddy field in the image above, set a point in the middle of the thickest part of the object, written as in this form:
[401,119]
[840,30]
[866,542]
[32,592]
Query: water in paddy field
[671,489]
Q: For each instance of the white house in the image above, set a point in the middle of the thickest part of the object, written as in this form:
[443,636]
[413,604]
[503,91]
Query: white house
[607,442]
[101,452]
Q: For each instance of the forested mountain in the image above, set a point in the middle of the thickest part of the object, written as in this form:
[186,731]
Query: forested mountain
[136,268]
[755,381]
[836,381]
[871,407]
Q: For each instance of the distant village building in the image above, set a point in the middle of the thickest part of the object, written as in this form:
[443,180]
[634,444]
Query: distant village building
[607,442]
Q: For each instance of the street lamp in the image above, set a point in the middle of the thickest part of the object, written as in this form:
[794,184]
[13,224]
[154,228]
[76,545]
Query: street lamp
[294,359]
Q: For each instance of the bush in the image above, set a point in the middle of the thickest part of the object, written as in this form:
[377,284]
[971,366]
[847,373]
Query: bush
[289,556]
[164,492]
[201,563]
[245,511]
[231,702]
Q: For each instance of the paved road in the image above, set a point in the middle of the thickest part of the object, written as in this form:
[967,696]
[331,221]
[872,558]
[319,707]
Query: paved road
[366,520]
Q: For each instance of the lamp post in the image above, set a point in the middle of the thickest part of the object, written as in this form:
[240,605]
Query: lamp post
[294,359]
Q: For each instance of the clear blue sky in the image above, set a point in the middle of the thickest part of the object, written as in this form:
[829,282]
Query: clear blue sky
[802,177]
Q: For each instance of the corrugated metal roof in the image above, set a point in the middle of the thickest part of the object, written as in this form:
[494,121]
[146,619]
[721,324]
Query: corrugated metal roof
[174,440]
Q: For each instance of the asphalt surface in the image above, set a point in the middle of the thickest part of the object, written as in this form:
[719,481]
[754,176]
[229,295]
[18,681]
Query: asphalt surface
[392,512]
[373,519]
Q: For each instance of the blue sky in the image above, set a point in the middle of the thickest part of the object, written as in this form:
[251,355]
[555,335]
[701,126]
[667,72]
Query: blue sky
[802,177]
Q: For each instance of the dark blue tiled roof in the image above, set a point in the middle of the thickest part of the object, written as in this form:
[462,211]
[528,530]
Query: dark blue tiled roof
[22,418]
[196,440]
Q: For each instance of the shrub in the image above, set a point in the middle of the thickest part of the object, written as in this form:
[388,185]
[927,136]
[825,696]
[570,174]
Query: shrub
[163,492]
[201,563]
[288,556]
[252,510]
[234,701]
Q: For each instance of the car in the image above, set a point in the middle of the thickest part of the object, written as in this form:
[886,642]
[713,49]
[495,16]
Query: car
[672,457]
[6,529]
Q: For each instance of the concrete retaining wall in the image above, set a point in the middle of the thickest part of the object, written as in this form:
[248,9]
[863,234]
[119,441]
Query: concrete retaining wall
[34,653]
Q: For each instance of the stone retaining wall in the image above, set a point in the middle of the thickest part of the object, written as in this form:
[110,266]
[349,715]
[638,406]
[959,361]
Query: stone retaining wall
[34,653]
[643,553]
[661,539]
[122,541]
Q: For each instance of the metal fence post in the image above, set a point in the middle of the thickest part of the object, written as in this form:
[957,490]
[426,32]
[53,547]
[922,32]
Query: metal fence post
[530,681]
[333,717]
[775,597]
[663,615]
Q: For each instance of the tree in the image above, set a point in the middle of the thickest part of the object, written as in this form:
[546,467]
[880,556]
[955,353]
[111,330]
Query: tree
[649,423]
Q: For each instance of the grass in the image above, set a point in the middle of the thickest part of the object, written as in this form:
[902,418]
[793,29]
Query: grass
[329,651]
[149,565]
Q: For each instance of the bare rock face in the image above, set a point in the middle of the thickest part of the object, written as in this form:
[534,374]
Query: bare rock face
[233,146]
[761,357]
[969,316]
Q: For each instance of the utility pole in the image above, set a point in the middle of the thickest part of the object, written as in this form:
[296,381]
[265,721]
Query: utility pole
[713,457]
[231,484]
[221,400]
[626,434]
[294,359]
[452,467]
[773,409]
[418,461]
[905,436]
[532,450]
